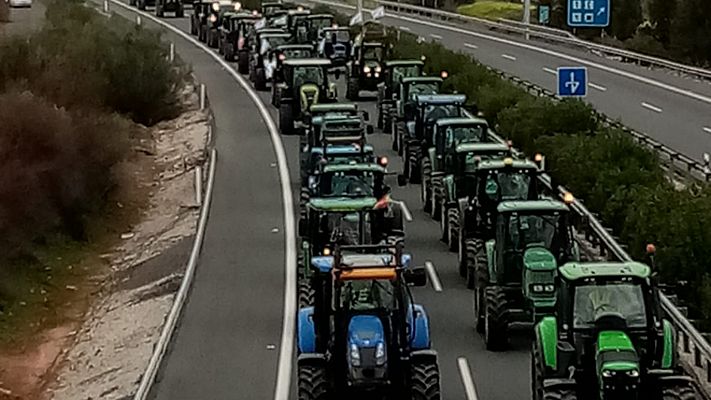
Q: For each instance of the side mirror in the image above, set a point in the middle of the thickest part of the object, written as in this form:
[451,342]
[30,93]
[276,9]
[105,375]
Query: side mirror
[401,180]
[303,227]
[473,109]
[416,276]
[369,129]
[366,116]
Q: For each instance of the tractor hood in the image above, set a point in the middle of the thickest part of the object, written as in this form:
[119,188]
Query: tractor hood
[617,364]
[539,272]
[366,342]
[309,94]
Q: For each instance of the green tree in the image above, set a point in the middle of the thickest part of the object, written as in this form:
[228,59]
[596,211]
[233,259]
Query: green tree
[626,17]
[661,14]
[691,31]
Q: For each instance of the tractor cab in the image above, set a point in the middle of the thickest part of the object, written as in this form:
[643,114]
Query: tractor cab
[315,23]
[261,70]
[365,70]
[394,72]
[409,89]
[296,25]
[217,12]
[233,37]
[364,328]
[277,56]
[350,180]
[608,337]
[516,284]
[335,44]
[306,83]
[271,9]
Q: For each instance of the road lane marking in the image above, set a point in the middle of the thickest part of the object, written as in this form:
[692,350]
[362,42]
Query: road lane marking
[435,36]
[434,278]
[550,70]
[471,46]
[508,57]
[707,129]
[598,87]
[466,374]
[404,28]
[651,107]
[286,348]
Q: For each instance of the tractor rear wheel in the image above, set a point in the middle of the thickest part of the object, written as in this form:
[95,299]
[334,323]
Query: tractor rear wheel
[436,185]
[193,28]
[481,281]
[679,391]
[495,324]
[381,119]
[468,250]
[313,383]
[426,188]
[413,159]
[473,260]
[387,123]
[536,373]
[425,381]
[444,223]
[453,228]
[180,12]
[159,9]
[260,79]
[352,90]
[286,118]
[243,62]
[559,394]
[306,293]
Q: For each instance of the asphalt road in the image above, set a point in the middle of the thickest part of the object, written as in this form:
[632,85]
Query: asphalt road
[672,114]
[23,20]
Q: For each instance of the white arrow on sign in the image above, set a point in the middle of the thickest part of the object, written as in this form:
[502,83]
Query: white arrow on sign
[572,83]
[602,11]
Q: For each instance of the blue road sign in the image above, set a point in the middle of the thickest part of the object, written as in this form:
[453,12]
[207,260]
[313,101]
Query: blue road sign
[544,14]
[572,81]
[588,13]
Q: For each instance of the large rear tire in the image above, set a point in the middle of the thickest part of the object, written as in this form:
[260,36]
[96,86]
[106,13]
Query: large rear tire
[468,252]
[413,160]
[426,189]
[313,383]
[425,381]
[352,90]
[306,293]
[243,62]
[453,230]
[286,118]
[679,391]
[387,123]
[495,324]
[436,185]
[260,79]
[159,10]
[180,12]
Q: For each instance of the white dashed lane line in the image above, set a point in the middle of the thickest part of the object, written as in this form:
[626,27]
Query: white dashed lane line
[598,87]
[508,57]
[707,129]
[435,36]
[651,107]
[434,278]
[550,70]
[404,28]
[466,374]
[471,46]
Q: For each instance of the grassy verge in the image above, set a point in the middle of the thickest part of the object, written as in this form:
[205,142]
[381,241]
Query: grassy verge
[71,96]
[4,12]
[495,9]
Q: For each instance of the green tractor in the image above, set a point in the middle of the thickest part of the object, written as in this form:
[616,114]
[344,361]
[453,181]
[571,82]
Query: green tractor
[233,38]
[319,111]
[305,83]
[314,24]
[514,278]
[409,88]
[277,56]
[394,72]
[608,338]
[368,54]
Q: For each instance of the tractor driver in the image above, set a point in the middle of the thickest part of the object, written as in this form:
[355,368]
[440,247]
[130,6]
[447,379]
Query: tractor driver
[306,75]
[351,185]
[368,295]
[595,300]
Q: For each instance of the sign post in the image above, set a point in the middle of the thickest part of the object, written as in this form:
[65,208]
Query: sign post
[572,81]
[588,13]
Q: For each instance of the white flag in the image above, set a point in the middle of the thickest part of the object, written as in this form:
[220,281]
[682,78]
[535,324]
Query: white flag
[357,19]
[378,12]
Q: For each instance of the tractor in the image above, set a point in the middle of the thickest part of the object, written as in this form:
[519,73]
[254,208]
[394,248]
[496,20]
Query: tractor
[211,28]
[319,111]
[394,72]
[201,11]
[259,70]
[306,83]
[314,24]
[233,38]
[421,116]
[409,88]
[514,278]
[296,25]
[608,338]
[365,70]
[335,44]
[364,335]
[276,58]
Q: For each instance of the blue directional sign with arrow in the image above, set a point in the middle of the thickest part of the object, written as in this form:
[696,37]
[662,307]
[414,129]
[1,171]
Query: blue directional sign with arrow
[572,81]
[589,13]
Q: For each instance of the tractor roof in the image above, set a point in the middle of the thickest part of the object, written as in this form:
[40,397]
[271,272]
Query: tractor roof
[273,4]
[404,63]
[248,16]
[270,35]
[320,16]
[526,206]
[343,149]
[422,79]
[295,47]
[333,107]
[576,270]
[481,147]
[441,99]
[461,121]
[373,44]
[337,28]
[266,31]
[343,204]
[308,62]
[354,167]
[299,12]
[500,164]
[360,261]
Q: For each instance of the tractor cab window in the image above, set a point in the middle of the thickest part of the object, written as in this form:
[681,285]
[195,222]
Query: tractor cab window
[297,53]
[368,295]
[456,135]
[357,184]
[405,72]
[339,36]
[507,185]
[422,88]
[434,112]
[373,53]
[348,229]
[320,23]
[600,297]
[279,22]
[304,75]
[528,230]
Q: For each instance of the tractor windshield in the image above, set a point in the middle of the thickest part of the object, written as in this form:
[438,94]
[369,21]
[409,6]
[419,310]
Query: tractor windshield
[423,88]
[624,298]
[304,75]
[352,184]
[348,229]
[279,22]
[339,36]
[368,295]
[435,112]
[373,53]
[319,23]
[507,185]
[464,134]
[533,230]
[405,72]
[269,43]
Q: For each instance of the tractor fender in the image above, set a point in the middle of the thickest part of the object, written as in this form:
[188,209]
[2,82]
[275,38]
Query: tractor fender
[547,341]
[306,331]
[490,248]
[411,129]
[311,359]
[433,158]
[669,353]
[428,356]
[448,187]
[560,383]
[420,336]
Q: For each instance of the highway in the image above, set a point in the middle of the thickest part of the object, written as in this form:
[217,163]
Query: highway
[673,110]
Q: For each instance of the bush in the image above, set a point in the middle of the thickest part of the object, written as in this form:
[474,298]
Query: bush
[4,12]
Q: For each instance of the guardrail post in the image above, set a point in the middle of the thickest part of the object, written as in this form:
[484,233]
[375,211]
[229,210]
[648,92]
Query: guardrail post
[171,52]
[198,185]
[138,20]
[202,96]
[106,6]
[708,371]
[697,356]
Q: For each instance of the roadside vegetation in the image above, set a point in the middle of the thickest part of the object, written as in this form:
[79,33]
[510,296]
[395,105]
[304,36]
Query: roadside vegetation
[4,12]
[495,9]
[71,96]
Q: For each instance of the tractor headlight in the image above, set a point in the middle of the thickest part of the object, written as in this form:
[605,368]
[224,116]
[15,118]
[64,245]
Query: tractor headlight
[537,288]
[377,74]
[216,6]
[607,373]
[354,355]
[633,373]
[213,18]
[549,288]
[378,69]
[238,6]
[380,357]
[366,69]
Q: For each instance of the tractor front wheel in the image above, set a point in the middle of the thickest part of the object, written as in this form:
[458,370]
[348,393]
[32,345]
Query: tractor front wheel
[180,12]
[426,191]
[425,381]
[313,382]
[495,324]
[436,189]
[443,223]
[467,252]
[159,9]
[286,118]
[453,228]
[306,293]
[387,123]
[536,373]
[260,79]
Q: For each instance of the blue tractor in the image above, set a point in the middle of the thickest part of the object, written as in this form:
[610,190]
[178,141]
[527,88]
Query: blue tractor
[364,335]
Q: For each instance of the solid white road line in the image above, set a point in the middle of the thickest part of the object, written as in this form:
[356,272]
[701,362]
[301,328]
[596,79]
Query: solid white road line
[471,46]
[651,107]
[404,28]
[286,348]
[467,380]
[598,87]
[435,36]
[434,278]
[508,57]
[707,129]
[550,70]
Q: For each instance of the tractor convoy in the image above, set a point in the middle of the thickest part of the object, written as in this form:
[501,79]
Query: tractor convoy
[598,330]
